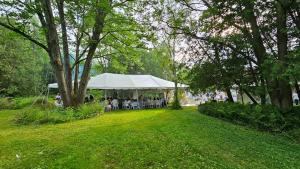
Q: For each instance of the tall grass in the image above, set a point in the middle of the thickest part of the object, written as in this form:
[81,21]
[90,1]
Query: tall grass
[22,102]
[53,115]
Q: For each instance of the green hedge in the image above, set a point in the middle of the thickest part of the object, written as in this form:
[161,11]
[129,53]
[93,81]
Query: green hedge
[42,115]
[266,117]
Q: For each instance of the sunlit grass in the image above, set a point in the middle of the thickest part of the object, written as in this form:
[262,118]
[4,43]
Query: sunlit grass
[143,139]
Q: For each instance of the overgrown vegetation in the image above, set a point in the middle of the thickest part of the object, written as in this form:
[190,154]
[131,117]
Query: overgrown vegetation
[265,117]
[51,114]
[22,102]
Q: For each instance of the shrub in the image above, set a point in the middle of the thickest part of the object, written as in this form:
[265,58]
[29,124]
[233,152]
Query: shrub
[5,103]
[40,115]
[176,105]
[265,117]
[89,110]
[19,103]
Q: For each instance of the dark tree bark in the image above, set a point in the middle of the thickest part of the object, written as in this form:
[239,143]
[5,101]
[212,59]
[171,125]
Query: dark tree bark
[54,50]
[285,91]
[76,72]
[98,27]
[229,95]
[279,91]
[67,65]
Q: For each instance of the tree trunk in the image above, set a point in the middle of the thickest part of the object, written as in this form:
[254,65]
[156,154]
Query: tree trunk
[280,93]
[76,71]
[229,95]
[54,51]
[67,65]
[98,27]
[176,92]
[285,92]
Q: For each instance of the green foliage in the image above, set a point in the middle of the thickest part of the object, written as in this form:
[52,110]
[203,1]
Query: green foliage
[22,102]
[40,115]
[175,105]
[5,103]
[23,66]
[266,117]
[97,94]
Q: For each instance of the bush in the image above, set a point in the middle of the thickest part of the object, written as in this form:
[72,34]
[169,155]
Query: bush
[265,117]
[89,110]
[20,103]
[5,103]
[40,115]
[176,105]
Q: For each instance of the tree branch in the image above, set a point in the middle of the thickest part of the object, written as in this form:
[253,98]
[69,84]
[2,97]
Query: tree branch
[24,35]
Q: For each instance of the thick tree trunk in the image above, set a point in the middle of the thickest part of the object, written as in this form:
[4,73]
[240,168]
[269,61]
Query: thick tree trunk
[280,92]
[76,72]
[67,65]
[176,99]
[98,27]
[54,51]
[229,95]
[285,92]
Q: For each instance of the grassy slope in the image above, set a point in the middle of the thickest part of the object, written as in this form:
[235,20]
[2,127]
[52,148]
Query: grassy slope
[143,139]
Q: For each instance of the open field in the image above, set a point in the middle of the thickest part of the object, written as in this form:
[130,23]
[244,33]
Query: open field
[143,139]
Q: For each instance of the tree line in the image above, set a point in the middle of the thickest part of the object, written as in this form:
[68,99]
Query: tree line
[249,44]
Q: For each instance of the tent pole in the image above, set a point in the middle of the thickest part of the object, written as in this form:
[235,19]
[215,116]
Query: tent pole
[105,94]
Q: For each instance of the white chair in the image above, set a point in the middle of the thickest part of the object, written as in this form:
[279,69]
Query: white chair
[135,105]
[152,103]
[144,105]
[115,104]
[157,104]
[126,104]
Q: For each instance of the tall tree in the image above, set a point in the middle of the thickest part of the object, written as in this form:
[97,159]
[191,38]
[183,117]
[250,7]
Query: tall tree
[83,23]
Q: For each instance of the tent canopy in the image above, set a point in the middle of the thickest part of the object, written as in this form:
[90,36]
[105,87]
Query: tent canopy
[111,81]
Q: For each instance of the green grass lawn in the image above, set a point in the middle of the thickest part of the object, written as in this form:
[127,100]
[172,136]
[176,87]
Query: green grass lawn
[143,139]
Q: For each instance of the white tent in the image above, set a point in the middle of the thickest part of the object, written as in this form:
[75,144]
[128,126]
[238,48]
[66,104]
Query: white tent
[109,81]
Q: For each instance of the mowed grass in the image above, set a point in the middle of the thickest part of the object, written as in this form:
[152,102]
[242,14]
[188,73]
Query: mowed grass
[143,139]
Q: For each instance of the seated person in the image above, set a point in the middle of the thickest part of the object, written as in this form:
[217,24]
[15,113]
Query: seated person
[107,104]
[115,103]
[58,103]
[58,97]
[126,104]
[157,102]
[134,104]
